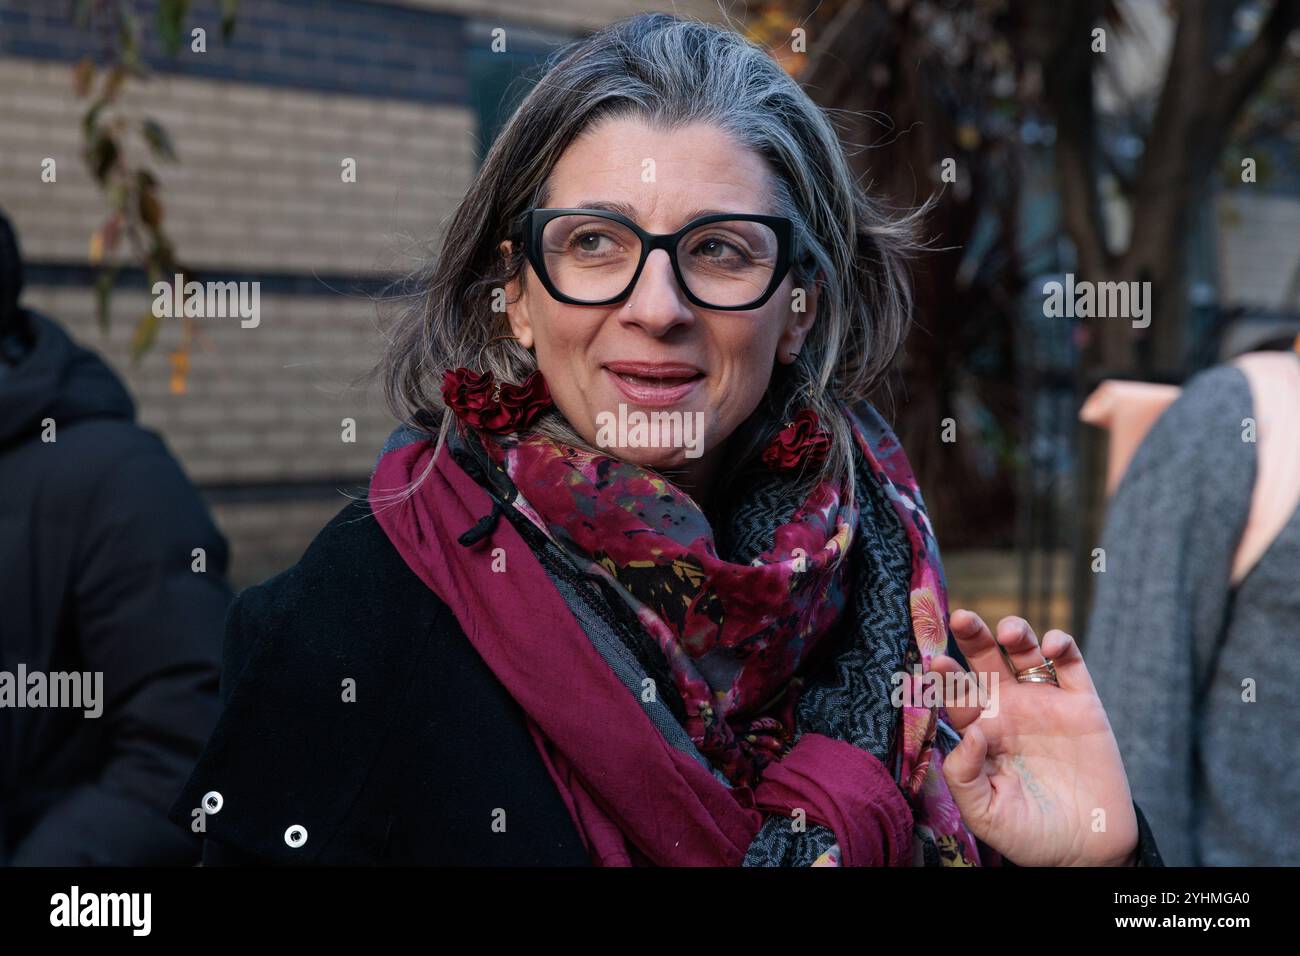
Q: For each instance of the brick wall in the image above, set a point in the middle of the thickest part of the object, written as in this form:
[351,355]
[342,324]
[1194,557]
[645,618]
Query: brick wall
[258,187]
[1259,250]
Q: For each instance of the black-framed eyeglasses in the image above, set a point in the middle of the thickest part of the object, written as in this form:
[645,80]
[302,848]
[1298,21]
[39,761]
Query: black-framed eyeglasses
[729,261]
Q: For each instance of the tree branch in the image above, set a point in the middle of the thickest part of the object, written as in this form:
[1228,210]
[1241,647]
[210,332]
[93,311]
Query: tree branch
[1254,63]
[1069,90]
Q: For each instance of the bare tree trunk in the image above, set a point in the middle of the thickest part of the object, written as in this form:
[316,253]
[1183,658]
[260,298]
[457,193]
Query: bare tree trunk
[876,70]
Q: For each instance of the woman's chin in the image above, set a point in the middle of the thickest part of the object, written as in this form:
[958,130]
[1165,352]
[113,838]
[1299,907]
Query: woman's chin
[658,438]
[658,459]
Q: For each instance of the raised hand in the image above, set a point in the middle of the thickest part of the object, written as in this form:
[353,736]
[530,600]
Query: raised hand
[1038,778]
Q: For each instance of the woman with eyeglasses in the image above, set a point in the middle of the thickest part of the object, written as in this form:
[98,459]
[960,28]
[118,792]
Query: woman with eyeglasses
[541,640]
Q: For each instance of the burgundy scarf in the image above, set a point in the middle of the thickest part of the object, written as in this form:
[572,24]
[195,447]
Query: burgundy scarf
[633,796]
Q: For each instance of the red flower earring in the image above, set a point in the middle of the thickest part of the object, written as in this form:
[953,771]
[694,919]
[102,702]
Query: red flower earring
[802,441]
[484,403]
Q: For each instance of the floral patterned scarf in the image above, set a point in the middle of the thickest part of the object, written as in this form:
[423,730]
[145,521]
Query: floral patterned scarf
[743,627]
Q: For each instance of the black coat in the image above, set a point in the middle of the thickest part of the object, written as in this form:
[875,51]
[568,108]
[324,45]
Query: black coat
[97,532]
[413,770]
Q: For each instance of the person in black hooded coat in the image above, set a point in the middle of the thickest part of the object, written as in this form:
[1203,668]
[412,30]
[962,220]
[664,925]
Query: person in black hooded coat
[98,526]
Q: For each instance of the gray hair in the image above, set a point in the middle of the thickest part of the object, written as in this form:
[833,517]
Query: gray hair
[671,72]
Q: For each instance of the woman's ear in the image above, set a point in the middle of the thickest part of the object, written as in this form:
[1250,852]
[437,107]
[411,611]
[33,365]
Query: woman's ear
[799,321]
[516,306]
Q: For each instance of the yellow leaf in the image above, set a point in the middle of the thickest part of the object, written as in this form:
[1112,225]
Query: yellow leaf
[180,360]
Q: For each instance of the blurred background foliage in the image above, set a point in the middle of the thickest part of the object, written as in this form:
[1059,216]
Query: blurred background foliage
[1075,151]
[120,145]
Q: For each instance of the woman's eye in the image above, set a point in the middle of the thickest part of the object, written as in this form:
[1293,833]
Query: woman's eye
[718,249]
[589,242]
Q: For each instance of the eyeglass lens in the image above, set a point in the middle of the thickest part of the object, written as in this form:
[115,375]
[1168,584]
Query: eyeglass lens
[725,263]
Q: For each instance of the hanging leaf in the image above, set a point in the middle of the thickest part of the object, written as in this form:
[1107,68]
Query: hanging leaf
[104,283]
[91,118]
[151,210]
[83,75]
[229,11]
[180,361]
[159,141]
[103,239]
[128,35]
[163,256]
[146,332]
[171,24]
[103,154]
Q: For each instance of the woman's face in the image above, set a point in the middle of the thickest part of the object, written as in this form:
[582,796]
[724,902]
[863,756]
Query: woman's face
[655,351]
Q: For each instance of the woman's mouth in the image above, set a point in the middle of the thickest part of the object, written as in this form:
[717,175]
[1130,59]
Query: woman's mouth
[654,384]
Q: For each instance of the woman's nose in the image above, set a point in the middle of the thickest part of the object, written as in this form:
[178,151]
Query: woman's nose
[656,303]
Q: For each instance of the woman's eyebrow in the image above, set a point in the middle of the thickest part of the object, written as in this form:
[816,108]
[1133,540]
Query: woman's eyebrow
[626,209]
[622,208]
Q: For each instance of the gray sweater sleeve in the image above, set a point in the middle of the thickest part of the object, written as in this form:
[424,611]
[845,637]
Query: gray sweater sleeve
[1171,531]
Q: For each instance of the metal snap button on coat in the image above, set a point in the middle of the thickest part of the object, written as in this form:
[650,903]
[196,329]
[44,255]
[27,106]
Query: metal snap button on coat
[295,836]
[212,802]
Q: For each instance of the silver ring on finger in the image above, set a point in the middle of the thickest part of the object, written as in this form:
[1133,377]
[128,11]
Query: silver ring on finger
[1044,673]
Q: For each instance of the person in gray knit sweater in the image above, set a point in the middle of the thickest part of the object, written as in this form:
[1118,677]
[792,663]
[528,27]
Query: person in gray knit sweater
[1199,675]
